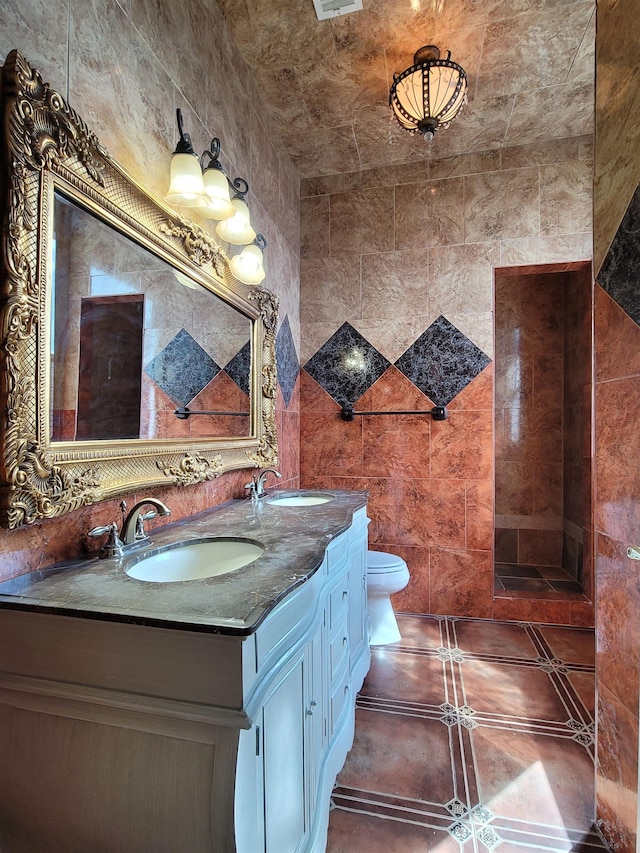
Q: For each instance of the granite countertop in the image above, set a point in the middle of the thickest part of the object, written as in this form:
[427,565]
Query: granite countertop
[295,540]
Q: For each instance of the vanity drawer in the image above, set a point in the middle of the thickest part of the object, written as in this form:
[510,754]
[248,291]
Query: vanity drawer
[338,652]
[338,602]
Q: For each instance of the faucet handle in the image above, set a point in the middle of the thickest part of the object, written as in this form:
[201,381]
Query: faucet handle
[113,545]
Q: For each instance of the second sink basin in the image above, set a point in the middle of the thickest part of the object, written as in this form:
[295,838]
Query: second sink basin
[301,500]
[196,560]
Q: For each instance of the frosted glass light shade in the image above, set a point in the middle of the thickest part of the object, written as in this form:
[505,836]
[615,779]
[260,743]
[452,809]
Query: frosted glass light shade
[248,265]
[216,187]
[429,94]
[237,229]
[186,187]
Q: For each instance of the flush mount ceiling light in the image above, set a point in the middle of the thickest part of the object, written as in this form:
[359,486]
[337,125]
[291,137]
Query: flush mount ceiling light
[429,94]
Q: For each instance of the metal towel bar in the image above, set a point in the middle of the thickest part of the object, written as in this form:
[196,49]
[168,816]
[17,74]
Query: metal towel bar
[438,413]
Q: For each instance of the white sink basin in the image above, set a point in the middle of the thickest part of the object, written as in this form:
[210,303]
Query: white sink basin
[196,560]
[301,500]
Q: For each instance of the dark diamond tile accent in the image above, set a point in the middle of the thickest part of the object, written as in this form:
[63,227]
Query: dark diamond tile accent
[620,271]
[182,368]
[287,360]
[239,368]
[442,362]
[347,365]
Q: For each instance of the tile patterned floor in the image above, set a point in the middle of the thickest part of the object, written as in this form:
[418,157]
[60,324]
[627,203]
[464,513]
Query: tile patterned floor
[472,736]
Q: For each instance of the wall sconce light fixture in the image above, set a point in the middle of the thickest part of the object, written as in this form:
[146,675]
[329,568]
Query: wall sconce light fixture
[247,266]
[205,185]
[429,94]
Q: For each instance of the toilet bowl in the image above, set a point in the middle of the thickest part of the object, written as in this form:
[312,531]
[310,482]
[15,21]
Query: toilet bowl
[386,574]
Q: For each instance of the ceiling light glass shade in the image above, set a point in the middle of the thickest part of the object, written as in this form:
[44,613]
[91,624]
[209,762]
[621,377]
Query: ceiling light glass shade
[237,229]
[186,187]
[429,94]
[248,265]
[216,188]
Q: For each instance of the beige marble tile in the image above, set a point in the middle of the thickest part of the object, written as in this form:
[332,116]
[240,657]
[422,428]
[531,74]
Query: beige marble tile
[314,335]
[533,50]
[393,337]
[546,250]
[337,88]
[395,285]
[402,173]
[567,109]
[362,221]
[501,205]
[382,142]
[314,227]
[465,164]
[480,126]
[264,172]
[540,153]
[566,198]
[466,12]
[170,27]
[477,326]
[39,31]
[327,184]
[461,278]
[617,159]
[429,214]
[583,67]
[330,287]
[323,150]
[120,89]
[385,23]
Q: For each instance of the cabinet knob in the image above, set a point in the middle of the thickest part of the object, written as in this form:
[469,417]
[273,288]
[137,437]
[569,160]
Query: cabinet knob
[344,593]
[309,712]
[633,553]
[344,641]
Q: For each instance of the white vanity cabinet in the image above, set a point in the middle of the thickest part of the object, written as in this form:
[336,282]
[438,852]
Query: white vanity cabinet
[304,722]
[153,739]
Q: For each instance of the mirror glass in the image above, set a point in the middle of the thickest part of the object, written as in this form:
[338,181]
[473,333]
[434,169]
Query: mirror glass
[134,341]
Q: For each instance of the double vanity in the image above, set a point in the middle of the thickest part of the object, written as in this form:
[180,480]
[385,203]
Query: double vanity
[146,712]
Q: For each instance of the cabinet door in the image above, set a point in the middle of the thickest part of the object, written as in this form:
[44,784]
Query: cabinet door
[357,599]
[284,723]
[316,714]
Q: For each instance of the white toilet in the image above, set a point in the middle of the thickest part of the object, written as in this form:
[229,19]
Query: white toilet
[386,574]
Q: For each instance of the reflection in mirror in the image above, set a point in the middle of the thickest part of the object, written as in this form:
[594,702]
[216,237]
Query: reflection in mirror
[134,339]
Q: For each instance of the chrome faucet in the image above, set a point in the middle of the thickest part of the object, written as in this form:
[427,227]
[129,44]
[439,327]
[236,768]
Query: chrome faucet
[133,526]
[133,532]
[256,486]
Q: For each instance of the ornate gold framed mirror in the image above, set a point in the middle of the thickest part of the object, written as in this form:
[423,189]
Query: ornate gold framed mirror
[130,356]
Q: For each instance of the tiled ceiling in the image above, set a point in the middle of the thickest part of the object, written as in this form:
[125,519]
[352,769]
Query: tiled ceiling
[326,83]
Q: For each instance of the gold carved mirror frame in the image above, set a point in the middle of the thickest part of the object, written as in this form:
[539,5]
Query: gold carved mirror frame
[47,147]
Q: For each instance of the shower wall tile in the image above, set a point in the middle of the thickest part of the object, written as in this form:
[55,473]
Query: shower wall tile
[540,547]
[430,214]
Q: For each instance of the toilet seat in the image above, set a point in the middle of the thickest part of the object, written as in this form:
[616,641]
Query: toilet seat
[380,561]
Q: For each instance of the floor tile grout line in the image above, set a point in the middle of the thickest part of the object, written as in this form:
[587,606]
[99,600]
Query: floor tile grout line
[391,817]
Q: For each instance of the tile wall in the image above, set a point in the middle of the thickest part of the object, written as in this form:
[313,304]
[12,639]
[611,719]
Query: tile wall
[543,413]
[402,260]
[125,67]
[617,345]
[617,523]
